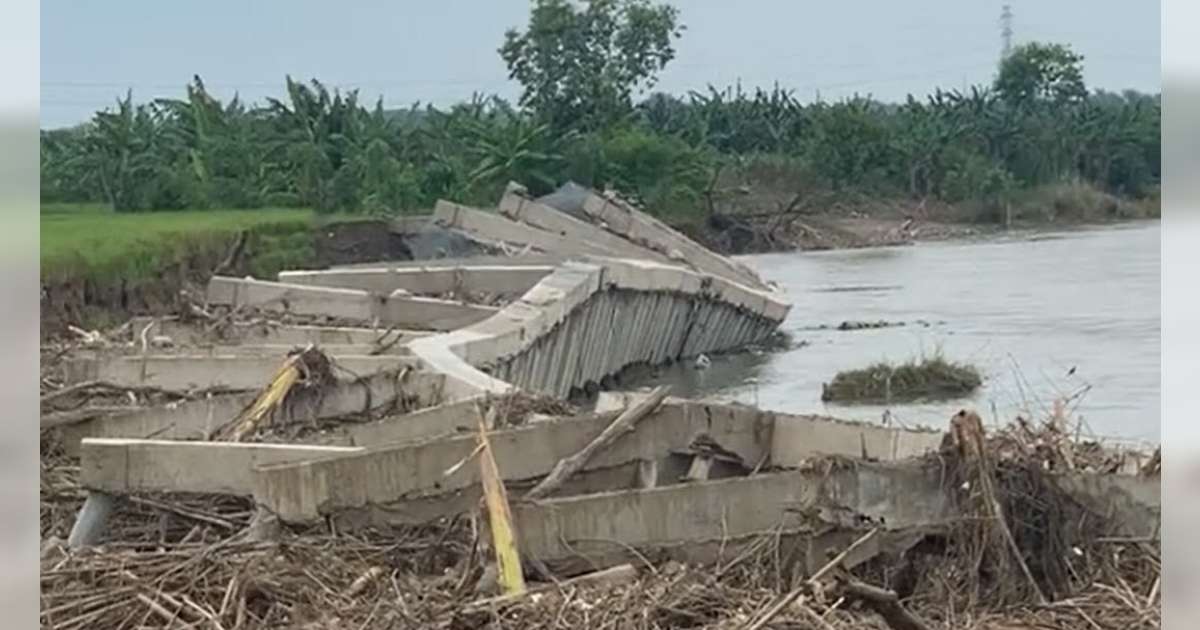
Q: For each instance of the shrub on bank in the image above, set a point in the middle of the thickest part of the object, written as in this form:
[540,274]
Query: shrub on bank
[883,382]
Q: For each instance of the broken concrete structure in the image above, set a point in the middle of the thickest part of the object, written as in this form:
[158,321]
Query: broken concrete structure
[590,288]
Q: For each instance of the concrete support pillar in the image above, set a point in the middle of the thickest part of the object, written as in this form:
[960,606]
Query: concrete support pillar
[92,520]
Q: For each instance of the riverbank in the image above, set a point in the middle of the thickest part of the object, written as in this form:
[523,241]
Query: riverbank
[99,267]
[864,222]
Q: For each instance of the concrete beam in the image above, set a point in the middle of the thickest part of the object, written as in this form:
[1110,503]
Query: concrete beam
[799,438]
[397,309]
[494,228]
[595,526]
[294,298]
[432,279]
[122,466]
[197,419]
[453,418]
[528,259]
[305,490]
[622,219]
[518,208]
[185,334]
[192,372]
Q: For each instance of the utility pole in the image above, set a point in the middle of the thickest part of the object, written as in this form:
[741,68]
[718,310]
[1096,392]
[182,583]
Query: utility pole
[1006,31]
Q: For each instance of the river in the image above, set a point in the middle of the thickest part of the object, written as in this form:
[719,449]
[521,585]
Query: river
[1023,309]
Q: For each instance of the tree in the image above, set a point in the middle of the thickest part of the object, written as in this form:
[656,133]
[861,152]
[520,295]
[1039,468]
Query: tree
[579,67]
[1041,72]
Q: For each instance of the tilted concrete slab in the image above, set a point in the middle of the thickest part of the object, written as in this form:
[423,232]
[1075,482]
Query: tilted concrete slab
[493,228]
[396,309]
[192,372]
[521,209]
[122,466]
[302,491]
[433,279]
[385,392]
[620,218]
[592,527]
[666,313]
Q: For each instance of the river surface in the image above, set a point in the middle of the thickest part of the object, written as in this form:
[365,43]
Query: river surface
[1025,310]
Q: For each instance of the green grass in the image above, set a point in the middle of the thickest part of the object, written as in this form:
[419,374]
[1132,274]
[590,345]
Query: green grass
[926,379]
[89,240]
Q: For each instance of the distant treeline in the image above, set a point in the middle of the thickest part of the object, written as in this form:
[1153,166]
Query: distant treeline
[1036,124]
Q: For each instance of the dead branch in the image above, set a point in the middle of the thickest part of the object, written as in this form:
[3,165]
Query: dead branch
[884,602]
[625,422]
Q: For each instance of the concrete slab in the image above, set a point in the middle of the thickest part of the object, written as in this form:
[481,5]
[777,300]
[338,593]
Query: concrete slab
[124,466]
[431,279]
[192,372]
[1134,502]
[622,219]
[799,438]
[592,527]
[197,419]
[495,228]
[518,208]
[305,490]
[396,309]
[193,335]
[293,298]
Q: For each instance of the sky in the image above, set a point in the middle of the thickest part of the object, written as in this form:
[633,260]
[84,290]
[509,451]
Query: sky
[442,52]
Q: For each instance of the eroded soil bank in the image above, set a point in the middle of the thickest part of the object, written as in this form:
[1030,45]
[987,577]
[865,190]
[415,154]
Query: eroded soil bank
[94,301]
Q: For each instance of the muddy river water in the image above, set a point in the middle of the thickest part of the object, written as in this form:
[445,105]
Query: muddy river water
[1070,315]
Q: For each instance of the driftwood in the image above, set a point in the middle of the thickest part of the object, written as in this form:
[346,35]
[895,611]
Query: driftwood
[966,427]
[625,422]
[796,595]
[884,602]
[75,416]
[619,574]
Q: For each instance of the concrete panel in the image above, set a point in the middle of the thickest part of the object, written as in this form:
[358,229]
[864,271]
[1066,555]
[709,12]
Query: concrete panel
[799,438]
[592,525]
[124,465]
[528,259]
[1134,502]
[495,228]
[197,419]
[191,372]
[293,298]
[303,491]
[272,334]
[396,309]
[431,279]
[518,208]
[622,219]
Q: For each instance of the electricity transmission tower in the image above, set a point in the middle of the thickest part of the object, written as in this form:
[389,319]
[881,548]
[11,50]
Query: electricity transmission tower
[1006,31]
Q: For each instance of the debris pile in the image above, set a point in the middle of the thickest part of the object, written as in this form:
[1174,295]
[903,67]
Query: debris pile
[1023,555]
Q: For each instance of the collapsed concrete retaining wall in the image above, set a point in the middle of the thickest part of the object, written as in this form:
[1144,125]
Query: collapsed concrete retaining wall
[589,320]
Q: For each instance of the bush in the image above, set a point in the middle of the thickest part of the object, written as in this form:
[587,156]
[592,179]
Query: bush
[927,379]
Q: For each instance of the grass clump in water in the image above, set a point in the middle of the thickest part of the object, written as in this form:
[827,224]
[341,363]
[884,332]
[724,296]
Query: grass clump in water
[883,382]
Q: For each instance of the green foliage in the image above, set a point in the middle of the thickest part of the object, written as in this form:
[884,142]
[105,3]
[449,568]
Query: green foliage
[1041,72]
[928,379]
[579,67]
